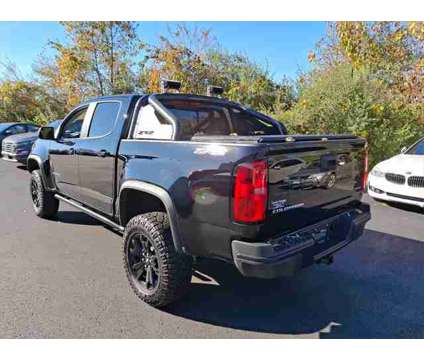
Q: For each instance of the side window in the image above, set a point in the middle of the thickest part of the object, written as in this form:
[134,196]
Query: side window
[103,118]
[72,127]
[150,125]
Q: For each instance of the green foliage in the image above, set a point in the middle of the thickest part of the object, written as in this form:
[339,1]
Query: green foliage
[99,58]
[194,58]
[24,101]
[367,78]
[344,100]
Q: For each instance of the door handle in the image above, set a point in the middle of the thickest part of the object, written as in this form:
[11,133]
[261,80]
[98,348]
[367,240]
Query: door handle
[103,153]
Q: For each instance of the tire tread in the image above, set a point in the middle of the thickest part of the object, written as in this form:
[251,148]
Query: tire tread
[176,268]
[49,205]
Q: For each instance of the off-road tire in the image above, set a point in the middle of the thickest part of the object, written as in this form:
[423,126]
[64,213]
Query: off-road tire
[174,268]
[43,201]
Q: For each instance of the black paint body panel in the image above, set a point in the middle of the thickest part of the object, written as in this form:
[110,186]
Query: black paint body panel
[198,176]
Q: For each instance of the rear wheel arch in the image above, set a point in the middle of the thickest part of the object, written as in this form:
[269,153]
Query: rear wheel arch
[138,197]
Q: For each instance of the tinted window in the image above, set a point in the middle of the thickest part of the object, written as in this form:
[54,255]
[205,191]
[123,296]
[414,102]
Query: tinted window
[417,149]
[246,123]
[103,118]
[211,121]
[210,118]
[72,127]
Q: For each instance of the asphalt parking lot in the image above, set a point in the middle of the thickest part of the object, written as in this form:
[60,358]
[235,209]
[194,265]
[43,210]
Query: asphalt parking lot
[64,279]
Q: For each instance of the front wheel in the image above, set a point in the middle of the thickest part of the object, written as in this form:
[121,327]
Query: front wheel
[43,201]
[157,273]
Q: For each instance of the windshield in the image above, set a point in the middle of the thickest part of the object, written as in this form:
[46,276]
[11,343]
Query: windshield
[417,149]
[4,127]
[197,118]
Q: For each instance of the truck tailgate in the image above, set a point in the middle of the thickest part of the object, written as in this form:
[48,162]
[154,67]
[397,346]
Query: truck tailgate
[312,179]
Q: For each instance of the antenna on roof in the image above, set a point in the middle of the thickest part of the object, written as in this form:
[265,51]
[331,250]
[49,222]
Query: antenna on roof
[214,90]
[166,85]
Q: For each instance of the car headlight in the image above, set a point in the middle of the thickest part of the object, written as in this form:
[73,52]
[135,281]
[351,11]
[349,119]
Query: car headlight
[377,173]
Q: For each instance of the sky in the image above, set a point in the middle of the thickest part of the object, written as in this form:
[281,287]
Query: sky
[281,47]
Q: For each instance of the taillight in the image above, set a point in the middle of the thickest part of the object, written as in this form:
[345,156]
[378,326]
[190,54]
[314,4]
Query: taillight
[365,173]
[250,192]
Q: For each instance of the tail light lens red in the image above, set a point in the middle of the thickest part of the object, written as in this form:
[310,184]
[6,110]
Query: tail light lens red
[365,173]
[250,192]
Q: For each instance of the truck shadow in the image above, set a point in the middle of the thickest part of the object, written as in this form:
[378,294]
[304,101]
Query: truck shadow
[373,290]
[76,217]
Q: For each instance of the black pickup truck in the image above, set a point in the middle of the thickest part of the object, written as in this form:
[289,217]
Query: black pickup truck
[186,176]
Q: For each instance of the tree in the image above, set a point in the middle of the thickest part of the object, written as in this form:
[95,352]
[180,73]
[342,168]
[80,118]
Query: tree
[341,100]
[393,52]
[194,57]
[99,58]
[26,101]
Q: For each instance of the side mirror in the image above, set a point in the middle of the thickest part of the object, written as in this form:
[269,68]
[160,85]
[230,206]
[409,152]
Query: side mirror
[403,150]
[46,133]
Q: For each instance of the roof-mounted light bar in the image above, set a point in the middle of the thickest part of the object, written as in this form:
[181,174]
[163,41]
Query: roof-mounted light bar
[214,90]
[166,85]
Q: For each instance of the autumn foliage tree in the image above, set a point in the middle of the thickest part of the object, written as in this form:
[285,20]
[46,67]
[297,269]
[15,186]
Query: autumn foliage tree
[98,58]
[367,79]
[194,57]
[22,100]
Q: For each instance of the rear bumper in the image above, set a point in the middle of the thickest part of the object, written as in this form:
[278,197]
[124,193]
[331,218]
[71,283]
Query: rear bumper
[289,254]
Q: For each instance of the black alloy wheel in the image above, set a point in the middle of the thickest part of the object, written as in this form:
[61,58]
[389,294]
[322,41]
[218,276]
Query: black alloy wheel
[143,262]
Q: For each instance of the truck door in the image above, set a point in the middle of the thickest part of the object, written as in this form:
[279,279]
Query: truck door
[96,156]
[62,151]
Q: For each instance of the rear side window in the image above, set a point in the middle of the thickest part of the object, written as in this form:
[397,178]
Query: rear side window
[103,118]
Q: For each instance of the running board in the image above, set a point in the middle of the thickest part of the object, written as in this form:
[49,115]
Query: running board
[90,212]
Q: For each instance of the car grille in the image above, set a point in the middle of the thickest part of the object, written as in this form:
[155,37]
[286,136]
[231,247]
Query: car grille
[8,147]
[395,178]
[416,181]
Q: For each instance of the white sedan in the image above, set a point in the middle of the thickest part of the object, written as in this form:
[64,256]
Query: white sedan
[400,178]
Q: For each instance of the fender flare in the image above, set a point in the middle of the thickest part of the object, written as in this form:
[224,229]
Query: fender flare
[162,195]
[37,159]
